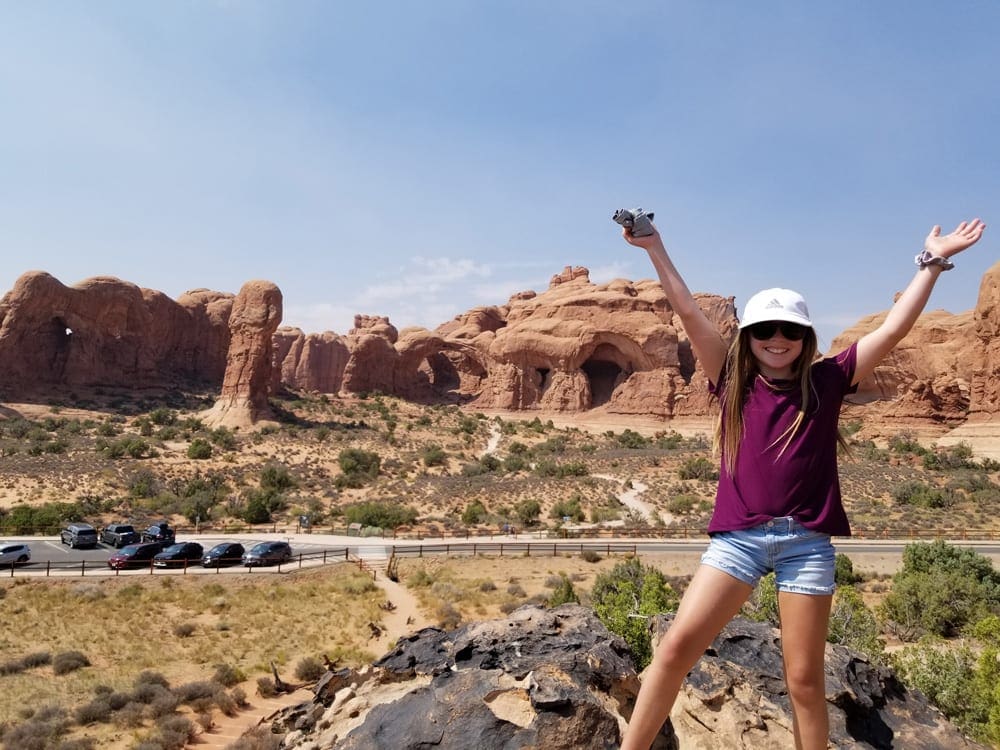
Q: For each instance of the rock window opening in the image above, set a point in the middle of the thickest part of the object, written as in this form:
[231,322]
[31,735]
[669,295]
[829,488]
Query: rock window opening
[603,376]
[543,378]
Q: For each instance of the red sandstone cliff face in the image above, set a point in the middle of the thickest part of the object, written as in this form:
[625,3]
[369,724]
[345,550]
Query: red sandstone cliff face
[253,321]
[104,331]
[572,347]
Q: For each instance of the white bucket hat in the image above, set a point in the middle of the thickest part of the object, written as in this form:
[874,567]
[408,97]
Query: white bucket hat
[776,304]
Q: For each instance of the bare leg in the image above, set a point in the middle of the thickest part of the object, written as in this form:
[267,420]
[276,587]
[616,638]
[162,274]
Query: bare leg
[805,620]
[711,600]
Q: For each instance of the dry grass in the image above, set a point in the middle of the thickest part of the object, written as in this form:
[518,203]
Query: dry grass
[125,627]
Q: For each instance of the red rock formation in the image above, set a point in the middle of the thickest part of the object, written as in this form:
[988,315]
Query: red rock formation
[984,399]
[107,332]
[255,318]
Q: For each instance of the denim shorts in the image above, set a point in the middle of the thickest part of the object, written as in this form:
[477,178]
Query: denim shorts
[802,559]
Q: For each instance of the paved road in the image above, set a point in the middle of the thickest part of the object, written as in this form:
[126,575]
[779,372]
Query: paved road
[50,550]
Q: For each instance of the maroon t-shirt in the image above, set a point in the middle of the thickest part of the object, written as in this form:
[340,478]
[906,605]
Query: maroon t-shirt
[802,482]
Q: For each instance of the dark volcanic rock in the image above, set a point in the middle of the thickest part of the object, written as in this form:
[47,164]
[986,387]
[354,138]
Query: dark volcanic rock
[557,679]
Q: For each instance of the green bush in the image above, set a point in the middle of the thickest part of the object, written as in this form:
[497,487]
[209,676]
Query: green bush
[698,468]
[563,593]
[626,597]
[474,513]
[382,515]
[199,449]
[922,495]
[528,511]
[843,571]
[309,669]
[359,467]
[434,455]
[631,439]
[853,625]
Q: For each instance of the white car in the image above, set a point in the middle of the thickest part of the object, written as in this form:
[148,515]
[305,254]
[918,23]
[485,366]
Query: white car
[10,554]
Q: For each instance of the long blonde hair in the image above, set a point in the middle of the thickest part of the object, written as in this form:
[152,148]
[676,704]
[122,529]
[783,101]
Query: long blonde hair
[741,369]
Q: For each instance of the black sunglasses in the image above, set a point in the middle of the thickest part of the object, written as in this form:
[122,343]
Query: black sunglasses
[766,330]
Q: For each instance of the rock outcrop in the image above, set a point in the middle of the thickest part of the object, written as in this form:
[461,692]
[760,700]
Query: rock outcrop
[558,679]
[572,348]
[108,332]
[255,317]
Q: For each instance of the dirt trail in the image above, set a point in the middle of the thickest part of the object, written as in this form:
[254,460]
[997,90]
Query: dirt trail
[403,619]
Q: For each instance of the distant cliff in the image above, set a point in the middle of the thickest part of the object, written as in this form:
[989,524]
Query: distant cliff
[571,348]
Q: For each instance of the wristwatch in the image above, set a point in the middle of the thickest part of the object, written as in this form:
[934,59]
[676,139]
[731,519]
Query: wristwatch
[925,258]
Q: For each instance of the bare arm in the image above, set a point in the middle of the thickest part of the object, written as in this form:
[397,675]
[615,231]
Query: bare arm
[706,341]
[875,345]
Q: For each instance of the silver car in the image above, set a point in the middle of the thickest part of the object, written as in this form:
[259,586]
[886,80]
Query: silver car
[14,554]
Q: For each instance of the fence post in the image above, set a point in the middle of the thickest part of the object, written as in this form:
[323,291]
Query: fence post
[83,568]
[48,568]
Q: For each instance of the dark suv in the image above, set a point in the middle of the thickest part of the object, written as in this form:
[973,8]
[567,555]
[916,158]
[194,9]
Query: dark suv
[159,532]
[134,556]
[119,534]
[267,553]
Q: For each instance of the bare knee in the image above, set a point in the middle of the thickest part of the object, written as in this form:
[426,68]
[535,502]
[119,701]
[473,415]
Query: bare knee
[806,687]
[677,653]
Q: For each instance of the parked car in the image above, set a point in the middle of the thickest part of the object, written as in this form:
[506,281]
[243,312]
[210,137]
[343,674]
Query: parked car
[226,553]
[180,554]
[119,534]
[268,553]
[14,554]
[79,535]
[159,532]
[134,555]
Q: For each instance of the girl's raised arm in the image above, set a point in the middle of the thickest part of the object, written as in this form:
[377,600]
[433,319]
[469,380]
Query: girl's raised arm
[872,347]
[706,341]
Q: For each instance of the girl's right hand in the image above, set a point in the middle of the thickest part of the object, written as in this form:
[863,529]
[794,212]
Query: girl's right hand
[648,242]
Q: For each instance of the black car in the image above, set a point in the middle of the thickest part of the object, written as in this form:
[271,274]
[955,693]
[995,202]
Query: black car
[159,532]
[119,534]
[177,555]
[268,553]
[226,553]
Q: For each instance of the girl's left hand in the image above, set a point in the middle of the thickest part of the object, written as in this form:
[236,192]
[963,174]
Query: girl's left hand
[965,235]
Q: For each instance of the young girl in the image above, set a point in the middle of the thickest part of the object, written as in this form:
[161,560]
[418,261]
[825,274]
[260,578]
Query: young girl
[778,501]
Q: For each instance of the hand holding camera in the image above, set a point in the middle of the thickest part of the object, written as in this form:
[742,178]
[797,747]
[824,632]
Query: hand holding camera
[637,221]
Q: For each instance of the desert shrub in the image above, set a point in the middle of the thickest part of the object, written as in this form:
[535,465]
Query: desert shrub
[77,743]
[514,463]
[843,571]
[358,466]
[174,732]
[474,513]
[940,589]
[515,589]
[199,449]
[29,661]
[163,417]
[149,677]
[679,504]
[762,606]
[922,495]
[853,625]
[946,676]
[568,509]
[184,629]
[228,675]
[433,455]
[382,515]
[590,555]
[309,669]
[266,687]
[527,512]
[223,437]
[239,695]
[192,691]
[949,459]
[487,586]
[130,715]
[258,738]
[41,732]
[624,600]
[906,442]
[563,592]
[94,712]
[631,439]
[448,616]
[69,661]
[698,468]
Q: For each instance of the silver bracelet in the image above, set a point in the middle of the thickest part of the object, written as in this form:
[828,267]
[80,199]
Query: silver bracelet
[925,259]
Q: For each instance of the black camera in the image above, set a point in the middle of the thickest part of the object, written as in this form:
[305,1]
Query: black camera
[636,220]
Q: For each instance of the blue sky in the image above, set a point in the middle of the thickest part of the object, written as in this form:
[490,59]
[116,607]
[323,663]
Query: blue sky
[416,159]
